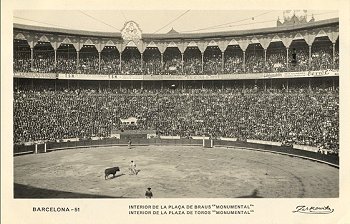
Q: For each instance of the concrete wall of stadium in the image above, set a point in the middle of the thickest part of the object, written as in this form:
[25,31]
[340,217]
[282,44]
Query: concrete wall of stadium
[329,159]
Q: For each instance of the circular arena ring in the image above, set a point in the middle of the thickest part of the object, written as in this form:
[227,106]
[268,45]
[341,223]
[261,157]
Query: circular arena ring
[172,171]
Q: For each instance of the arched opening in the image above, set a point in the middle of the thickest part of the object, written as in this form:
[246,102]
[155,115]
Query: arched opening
[255,59]
[152,61]
[212,60]
[110,63]
[321,54]
[88,60]
[44,57]
[192,61]
[276,55]
[21,56]
[66,59]
[233,59]
[172,61]
[131,61]
[299,55]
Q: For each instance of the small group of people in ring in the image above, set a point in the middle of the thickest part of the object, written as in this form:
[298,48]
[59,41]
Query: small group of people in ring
[133,171]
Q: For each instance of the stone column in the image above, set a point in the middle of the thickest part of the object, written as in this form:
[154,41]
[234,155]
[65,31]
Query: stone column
[77,59]
[182,62]
[222,61]
[120,61]
[265,58]
[310,56]
[287,59]
[202,61]
[333,55]
[99,61]
[31,58]
[222,44]
[244,61]
[55,58]
[141,61]
[287,41]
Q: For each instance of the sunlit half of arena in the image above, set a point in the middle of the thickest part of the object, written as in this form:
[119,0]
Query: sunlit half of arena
[239,108]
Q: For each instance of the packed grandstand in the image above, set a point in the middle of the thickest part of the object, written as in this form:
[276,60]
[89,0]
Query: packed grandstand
[109,61]
[278,84]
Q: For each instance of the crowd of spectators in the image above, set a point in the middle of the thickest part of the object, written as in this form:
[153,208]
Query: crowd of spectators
[43,61]
[302,60]
[255,63]
[336,59]
[213,65]
[88,65]
[131,67]
[302,116]
[152,66]
[321,59]
[276,61]
[233,64]
[66,65]
[173,66]
[110,65]
[193,66]
[21,61]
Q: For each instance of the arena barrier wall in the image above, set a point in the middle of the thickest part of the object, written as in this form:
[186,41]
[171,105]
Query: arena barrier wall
[305,147]
[264,142]
[170,137]
[330,159]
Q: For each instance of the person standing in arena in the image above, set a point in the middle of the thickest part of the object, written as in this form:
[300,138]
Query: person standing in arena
[132,168]
[129,143]
[149,193]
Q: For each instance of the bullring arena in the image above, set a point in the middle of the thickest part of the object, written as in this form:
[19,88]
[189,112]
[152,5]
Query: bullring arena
[248,113]
[172,172]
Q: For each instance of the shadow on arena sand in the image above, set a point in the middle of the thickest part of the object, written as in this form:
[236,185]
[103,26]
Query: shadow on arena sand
[24,191]
[116,176]
[253,195]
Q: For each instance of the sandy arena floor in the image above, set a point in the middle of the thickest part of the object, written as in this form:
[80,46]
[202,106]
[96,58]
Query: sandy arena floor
[172,172]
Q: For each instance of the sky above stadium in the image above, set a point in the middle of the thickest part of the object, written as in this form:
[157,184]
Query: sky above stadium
[160,21]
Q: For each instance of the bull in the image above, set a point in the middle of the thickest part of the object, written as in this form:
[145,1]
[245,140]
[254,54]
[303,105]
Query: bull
[112,170]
